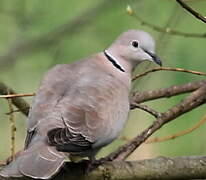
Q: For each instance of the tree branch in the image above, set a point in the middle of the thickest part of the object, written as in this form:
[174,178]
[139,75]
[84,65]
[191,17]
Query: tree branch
[158,168]
[146,109]
[192,11]
[139,97]
[20,103]
[192,101]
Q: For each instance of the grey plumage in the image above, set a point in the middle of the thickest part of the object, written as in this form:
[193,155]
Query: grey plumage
[81,107]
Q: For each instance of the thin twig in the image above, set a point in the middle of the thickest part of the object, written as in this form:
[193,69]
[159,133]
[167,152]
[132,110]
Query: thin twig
[16,110]
[13,128]
[176,135]
[192,11]
[145,108]
[164,30]
[17,95]
[173,136]
[168,69]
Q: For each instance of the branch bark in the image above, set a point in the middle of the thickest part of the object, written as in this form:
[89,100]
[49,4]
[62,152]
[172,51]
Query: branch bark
[20,103]
[193,167]
[147,109]
[140,97]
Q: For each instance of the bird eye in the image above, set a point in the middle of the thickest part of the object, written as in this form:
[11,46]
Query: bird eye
[135,44]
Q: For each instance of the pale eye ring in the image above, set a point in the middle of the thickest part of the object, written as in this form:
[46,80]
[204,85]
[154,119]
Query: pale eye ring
[135,44]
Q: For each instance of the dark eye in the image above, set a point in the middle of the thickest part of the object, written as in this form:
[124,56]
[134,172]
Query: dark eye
[135,44]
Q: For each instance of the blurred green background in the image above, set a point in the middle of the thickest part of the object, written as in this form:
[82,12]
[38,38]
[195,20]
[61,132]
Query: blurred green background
[37,34]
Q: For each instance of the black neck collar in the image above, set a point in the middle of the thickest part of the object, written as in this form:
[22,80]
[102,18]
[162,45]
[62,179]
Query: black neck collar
[112,60]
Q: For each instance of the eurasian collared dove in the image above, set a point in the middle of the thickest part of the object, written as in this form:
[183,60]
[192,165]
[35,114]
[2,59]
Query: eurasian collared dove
[81,107]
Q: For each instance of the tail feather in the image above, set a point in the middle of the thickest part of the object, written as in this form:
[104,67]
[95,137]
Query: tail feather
[11,170]
[40,161]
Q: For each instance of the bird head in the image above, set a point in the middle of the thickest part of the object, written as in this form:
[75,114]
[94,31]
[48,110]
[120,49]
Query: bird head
[135,46]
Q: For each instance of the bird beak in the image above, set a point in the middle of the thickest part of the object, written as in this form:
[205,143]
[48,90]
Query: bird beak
[154,57]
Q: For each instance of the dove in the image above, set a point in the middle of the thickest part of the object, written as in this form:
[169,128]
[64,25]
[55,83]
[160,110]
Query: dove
[81,107]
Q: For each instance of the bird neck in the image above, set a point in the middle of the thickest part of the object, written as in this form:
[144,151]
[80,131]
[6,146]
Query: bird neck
[102,62]
[118,62]
[114,61]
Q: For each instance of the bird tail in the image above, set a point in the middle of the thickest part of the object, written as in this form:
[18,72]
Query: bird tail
[39,161]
